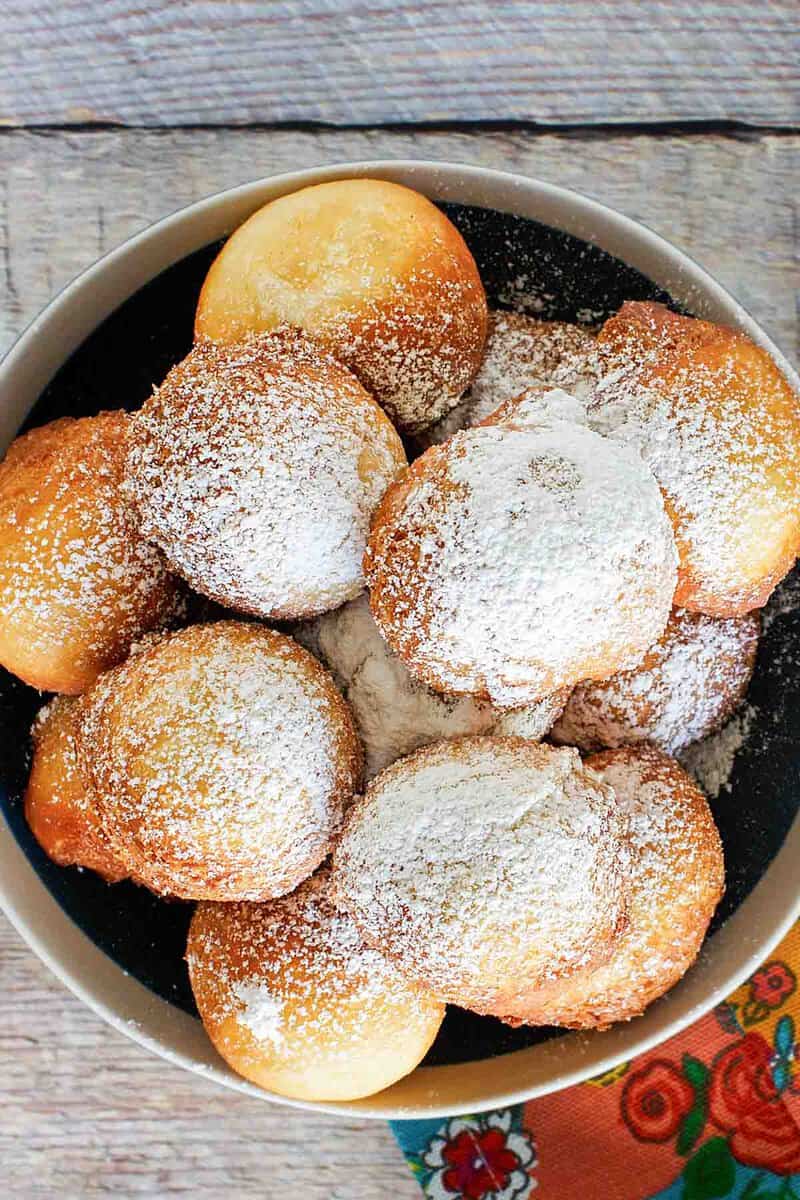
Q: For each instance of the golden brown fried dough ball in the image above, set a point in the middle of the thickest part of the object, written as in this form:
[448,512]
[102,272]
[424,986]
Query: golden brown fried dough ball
[485,867]
[719,426]
[685,688]
[78,584]
[294,1001]
[509,563]
[256,468]
[58,807]
[220,759]
[676,878]
[374,272]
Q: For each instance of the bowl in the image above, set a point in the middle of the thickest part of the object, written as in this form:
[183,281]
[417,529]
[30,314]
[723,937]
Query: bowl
[115,331]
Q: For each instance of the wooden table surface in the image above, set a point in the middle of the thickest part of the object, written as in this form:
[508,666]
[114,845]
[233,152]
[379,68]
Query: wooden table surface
[113,116]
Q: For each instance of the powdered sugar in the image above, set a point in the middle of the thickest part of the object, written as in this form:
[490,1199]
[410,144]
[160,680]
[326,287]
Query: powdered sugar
[521,560]
[522,353]
[484,866]
[261,1013]
[256,467]
[532,721]
[540,406]
[394,712]
[686,686]
[711,762]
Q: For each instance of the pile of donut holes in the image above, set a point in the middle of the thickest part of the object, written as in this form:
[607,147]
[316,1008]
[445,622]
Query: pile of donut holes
[209,756]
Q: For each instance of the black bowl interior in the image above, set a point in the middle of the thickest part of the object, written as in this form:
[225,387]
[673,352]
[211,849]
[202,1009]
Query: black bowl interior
[524,265]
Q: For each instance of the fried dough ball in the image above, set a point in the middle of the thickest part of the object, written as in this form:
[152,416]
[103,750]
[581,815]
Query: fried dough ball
[686,687]
[719,426]
[509,563]
[78,584]
[58,807]
[522,353]
[374,272]
[676,879]
[295,1002]
[256,468]
[220,759]
[484,868]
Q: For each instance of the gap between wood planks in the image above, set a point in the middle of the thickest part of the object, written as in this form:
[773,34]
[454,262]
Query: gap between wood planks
[742,130]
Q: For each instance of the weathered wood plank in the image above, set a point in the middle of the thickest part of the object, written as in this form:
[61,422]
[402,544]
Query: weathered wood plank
[84,1111]
[348,62]
[67,198]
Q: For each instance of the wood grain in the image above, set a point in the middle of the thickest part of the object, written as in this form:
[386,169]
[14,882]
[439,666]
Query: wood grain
[730,202]
[83,1111]
[348,62]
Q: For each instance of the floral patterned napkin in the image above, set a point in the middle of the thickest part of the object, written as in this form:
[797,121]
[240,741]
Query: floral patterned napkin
[713,1112]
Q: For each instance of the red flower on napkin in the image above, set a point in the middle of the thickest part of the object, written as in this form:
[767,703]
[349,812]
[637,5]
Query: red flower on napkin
[486,1157]
[655,1101]
[745,1103]
[772,984]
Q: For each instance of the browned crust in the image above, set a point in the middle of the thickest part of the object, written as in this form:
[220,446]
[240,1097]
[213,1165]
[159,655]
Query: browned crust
[58,806]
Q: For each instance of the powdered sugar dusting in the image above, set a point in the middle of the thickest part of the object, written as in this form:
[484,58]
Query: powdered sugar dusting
[532,721]
[261,1013]
[395,713]
[685,688]
[711,762]
[522,353]
[256,467]
[221,758]
[484,866]
[540,406]
[521,560]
